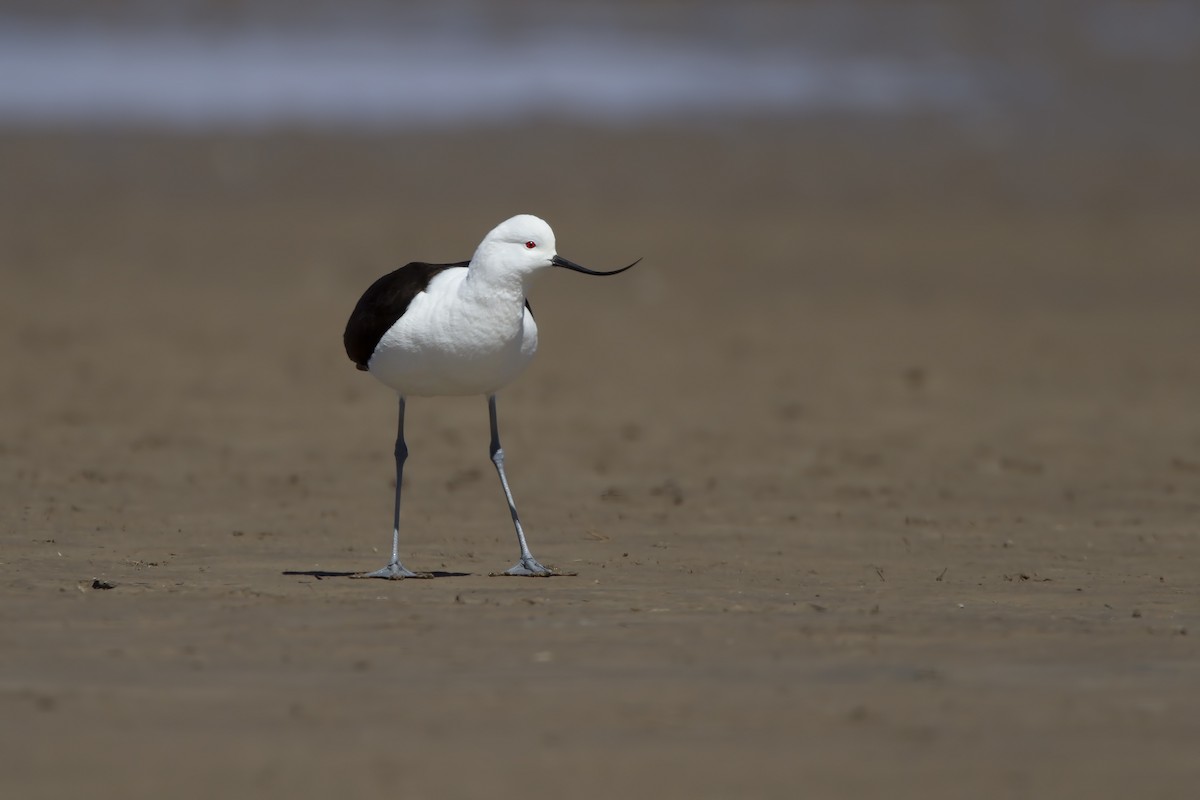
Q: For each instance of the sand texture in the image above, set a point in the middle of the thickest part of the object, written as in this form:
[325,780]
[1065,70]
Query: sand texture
[880,474]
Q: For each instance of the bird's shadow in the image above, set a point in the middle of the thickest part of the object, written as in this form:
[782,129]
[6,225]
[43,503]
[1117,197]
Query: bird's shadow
[321,574]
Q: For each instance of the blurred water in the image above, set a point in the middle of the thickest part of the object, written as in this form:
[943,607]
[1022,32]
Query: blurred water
[262,77]
[428,65]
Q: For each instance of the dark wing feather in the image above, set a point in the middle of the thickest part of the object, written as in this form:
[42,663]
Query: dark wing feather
[384,302]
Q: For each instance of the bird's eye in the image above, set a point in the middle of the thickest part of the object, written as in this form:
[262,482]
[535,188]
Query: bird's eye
[530,245]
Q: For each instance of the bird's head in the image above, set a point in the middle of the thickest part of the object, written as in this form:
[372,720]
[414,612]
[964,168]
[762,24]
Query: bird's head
[522,246]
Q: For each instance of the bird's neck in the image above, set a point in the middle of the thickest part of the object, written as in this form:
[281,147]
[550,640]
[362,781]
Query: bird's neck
[492,287]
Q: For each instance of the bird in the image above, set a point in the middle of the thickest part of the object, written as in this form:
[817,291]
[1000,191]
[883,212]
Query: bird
[461,328]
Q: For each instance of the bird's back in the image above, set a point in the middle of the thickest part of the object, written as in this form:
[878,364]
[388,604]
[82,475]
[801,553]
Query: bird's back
[421,331]
[383,303]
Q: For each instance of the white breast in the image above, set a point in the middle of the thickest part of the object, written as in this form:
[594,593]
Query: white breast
[454,341]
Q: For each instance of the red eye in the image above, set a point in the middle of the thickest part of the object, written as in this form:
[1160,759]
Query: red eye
[530,245]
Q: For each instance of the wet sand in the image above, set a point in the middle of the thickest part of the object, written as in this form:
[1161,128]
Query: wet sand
[881,474]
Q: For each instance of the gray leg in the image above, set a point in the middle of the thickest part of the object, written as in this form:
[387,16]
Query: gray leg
[528,565]
[395,570]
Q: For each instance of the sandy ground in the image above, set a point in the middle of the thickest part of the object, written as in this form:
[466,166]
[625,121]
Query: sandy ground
[881,474]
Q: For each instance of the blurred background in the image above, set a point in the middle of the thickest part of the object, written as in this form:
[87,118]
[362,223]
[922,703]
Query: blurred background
[757,112]
[1110,71]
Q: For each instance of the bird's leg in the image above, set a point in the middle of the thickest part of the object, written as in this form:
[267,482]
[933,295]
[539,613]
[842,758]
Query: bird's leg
[395,570]
[528,565]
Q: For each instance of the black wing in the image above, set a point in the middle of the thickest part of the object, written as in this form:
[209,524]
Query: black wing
[384,302]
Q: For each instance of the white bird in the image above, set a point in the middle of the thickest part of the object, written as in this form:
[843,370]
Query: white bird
[457,329]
